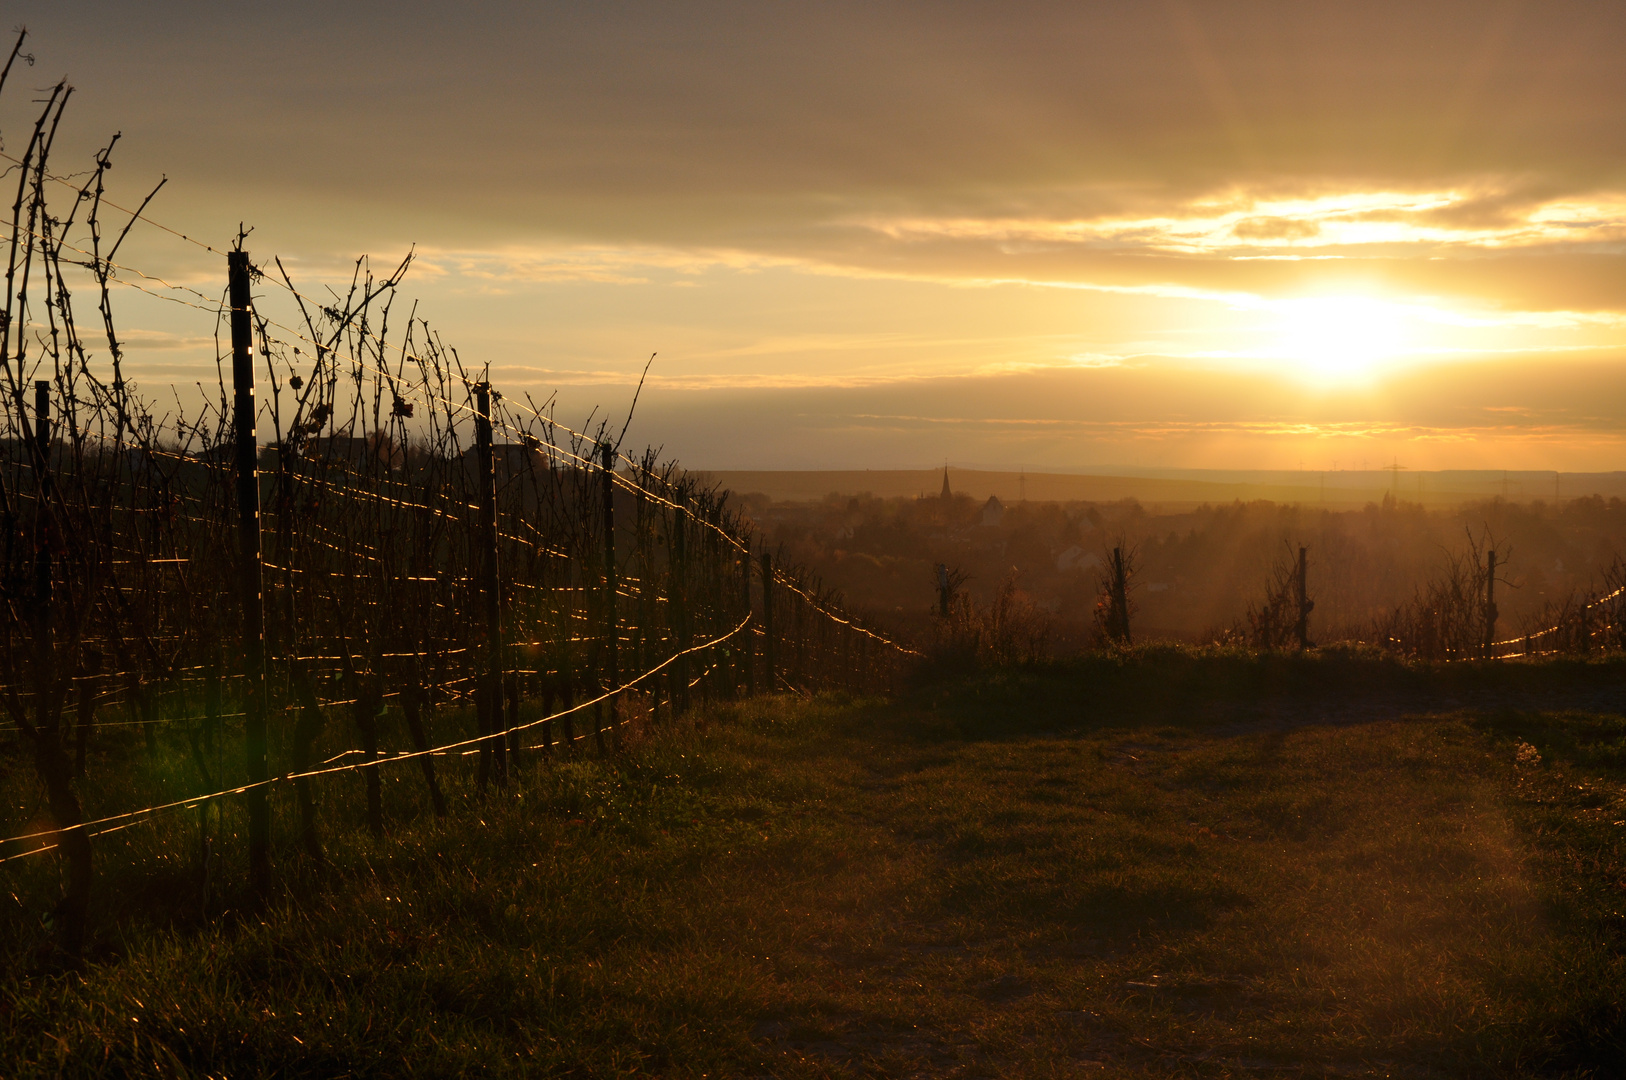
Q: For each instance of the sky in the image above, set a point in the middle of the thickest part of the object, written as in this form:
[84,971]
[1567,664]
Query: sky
[1052,236]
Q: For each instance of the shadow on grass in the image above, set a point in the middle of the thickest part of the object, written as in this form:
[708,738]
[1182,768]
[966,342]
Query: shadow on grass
[1197,687]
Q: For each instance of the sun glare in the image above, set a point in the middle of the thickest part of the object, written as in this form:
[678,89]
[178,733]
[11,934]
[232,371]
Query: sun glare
[1339,338]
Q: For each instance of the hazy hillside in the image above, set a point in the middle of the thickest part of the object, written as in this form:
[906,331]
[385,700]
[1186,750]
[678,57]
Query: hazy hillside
[1198,568]
[1174,489]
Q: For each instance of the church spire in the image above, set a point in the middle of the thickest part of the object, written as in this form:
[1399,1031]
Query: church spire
[947,494]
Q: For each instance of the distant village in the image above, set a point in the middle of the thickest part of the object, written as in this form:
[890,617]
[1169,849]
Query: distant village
[1195,571]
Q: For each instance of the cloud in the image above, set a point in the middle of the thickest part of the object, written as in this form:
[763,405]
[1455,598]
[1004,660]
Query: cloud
[158,339]
[1274,228]
[1350,223]
[1160,147]
[642,124]
[534,264]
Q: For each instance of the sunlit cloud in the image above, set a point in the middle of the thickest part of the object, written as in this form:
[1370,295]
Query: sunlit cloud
[545,376]
[158,339]
[508,267]
[1281,429]
[1240,226]
[1098,360]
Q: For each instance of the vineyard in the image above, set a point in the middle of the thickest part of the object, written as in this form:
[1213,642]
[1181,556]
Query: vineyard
[354,554]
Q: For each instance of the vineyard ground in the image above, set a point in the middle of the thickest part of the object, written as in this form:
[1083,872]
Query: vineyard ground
[1164,863]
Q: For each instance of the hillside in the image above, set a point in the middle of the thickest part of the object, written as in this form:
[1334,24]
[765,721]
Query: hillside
[1174,490]
[1199,569]
[1154,864]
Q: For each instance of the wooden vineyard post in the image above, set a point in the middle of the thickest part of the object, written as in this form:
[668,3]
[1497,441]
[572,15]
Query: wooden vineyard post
[51,762]
[90,671]
[829,659]
[306,730]
[1306,605]
[213,701]
[250,574]
[646,595]
[649,593]
[42,428]
[44,548]
[798,631]
[769,671]
[489,711]
[833,660]
[1490,605]
[514,696]
[414,700]
[550,697]
[813,663]
[679,603]
[847,674]
[712,562]
[816,661]
[723,675]
[747,645]
[369,691]
[612,674]
[567,705]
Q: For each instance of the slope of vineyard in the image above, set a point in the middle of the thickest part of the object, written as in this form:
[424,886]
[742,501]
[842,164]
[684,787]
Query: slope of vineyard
[290,573]
[1163,863]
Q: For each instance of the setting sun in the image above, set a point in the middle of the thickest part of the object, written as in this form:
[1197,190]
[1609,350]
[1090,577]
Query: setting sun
[1340,338]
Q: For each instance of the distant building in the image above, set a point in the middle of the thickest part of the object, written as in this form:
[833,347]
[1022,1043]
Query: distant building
[993,512]
[1076,558]
[947,494]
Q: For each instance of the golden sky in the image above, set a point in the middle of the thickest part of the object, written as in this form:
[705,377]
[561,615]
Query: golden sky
[1055,235]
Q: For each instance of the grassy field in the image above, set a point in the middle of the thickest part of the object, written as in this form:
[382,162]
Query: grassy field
[1163,864]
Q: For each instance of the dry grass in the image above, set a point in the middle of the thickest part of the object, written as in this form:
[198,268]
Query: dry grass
[1159,863]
